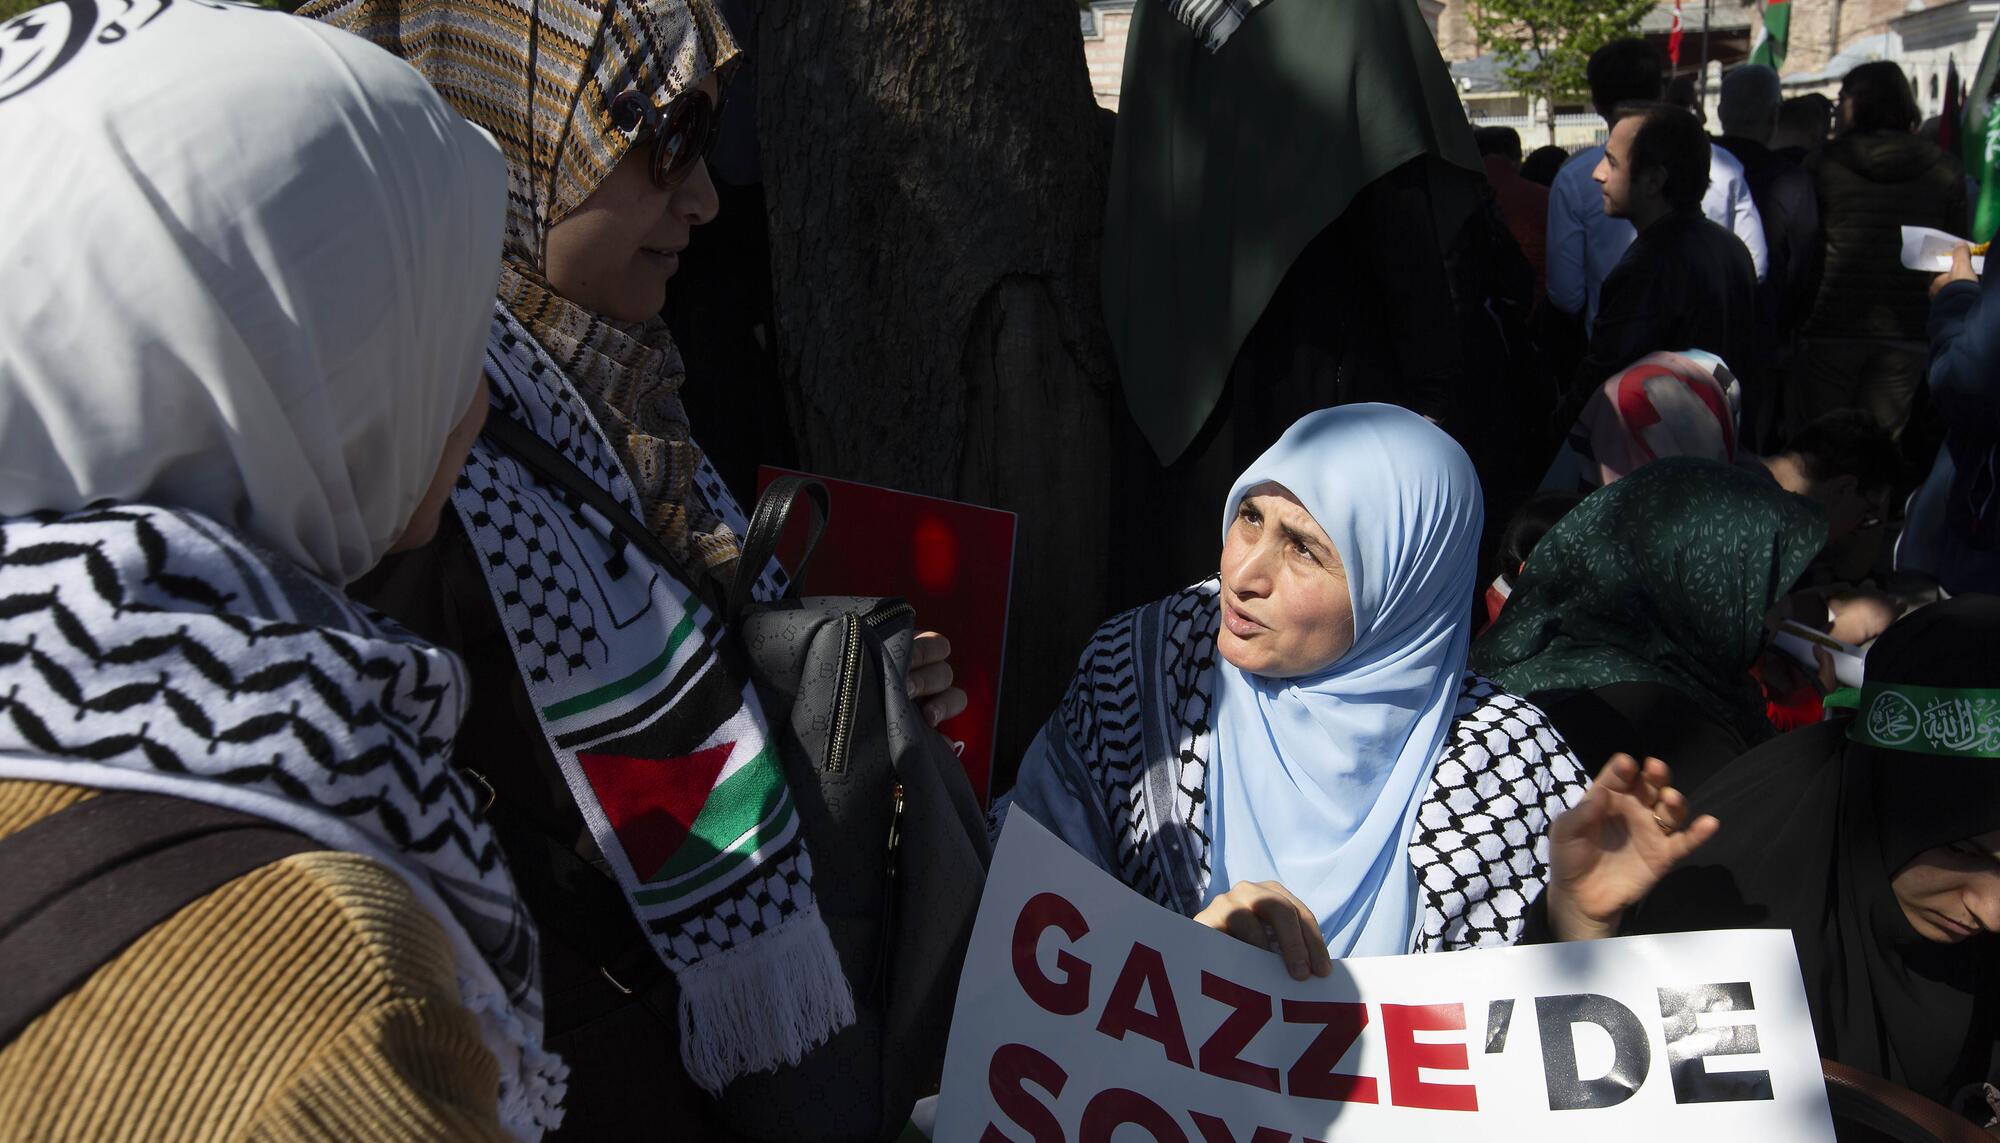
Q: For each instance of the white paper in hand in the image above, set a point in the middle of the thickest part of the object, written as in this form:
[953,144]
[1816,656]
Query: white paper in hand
[1930,250]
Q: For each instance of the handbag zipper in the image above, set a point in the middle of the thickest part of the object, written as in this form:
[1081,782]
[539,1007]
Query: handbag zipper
[885,949]
[843,702]
[882,613]
[850,681]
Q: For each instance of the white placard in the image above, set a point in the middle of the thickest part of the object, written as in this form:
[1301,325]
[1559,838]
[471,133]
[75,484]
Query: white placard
[1088,1013]
[1930,250]
[1800,642]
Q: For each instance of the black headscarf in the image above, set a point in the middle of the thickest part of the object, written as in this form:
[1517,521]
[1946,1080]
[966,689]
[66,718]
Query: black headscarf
[1815,825]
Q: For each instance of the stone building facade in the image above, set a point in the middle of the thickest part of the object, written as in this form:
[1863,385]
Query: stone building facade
[1827,38]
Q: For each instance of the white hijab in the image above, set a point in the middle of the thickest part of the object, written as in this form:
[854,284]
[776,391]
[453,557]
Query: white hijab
[247,271]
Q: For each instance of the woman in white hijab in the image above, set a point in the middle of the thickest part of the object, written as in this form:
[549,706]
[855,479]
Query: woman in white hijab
[248,267]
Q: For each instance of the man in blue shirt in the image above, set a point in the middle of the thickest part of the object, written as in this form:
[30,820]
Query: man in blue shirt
[1585,244]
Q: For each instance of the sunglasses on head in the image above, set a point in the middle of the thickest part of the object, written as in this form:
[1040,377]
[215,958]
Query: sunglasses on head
[682,134]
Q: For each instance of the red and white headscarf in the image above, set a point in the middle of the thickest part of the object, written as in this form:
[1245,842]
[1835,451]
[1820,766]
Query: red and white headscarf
[1662,405]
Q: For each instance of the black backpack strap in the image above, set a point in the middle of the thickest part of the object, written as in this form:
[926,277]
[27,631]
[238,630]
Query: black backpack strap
[85,882]
[766,525]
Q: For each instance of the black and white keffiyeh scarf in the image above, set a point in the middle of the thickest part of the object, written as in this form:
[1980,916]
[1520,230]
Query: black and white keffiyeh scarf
[664,751]
[150,649]
[1213,21]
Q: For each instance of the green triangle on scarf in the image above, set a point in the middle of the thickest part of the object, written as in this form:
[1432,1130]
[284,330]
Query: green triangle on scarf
[740,814]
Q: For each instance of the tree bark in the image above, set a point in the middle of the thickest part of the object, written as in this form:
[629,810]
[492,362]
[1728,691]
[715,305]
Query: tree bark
[935,178]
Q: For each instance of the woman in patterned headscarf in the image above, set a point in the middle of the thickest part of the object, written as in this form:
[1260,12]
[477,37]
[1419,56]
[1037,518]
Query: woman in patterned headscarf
[633,787]
[1641,615]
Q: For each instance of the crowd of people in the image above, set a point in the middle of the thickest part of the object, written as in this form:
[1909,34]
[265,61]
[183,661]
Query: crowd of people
[362,777]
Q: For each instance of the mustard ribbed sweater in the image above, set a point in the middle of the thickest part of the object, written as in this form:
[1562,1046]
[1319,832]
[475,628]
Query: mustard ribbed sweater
[312,999]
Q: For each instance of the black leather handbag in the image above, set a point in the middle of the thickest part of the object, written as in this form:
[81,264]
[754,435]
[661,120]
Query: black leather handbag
[897,837]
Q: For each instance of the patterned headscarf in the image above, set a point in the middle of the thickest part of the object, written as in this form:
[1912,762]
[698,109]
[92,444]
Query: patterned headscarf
[1664,576]
[541,75]
[1664,404]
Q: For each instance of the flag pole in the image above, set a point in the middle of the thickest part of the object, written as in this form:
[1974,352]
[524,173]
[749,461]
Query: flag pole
[1701,85]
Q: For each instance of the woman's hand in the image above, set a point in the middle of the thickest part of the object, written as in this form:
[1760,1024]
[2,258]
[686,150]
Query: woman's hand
[1611,849]
[1859,617]
[1265,914]
[930,678]
[1961,269]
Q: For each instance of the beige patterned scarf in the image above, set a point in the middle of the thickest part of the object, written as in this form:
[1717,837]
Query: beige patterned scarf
[631,377]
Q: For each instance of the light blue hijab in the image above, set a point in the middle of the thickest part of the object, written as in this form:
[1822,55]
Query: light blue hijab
[1317,780]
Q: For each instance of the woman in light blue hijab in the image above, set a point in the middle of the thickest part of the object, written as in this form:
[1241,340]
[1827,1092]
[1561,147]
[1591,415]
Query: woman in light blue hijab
[1324,747]
[1296,744]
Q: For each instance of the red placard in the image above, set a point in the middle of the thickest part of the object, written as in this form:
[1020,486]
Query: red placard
[953,561]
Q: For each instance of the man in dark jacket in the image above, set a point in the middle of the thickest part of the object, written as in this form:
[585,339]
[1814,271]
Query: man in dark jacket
[1954,526]
[1783,192]
[1685,283]
[1524,206]
[1865,341]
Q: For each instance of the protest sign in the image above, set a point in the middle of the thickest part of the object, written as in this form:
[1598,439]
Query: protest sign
[954,563]
[1088,1013]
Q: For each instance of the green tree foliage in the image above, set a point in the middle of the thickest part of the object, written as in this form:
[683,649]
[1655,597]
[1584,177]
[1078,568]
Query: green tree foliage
[1543,45]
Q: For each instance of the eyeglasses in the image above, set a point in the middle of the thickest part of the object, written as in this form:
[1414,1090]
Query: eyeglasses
[684,133]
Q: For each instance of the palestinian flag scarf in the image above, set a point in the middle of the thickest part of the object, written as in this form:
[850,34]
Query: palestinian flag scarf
[664,751]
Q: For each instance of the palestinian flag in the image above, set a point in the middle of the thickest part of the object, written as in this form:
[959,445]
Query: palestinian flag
[1979,141]
[1770,49]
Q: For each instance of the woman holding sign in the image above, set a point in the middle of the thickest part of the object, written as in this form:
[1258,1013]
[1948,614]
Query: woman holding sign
[1294,751]
[1876,840]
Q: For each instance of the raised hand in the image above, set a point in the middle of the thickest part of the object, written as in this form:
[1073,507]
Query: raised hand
[1265,914]
[1613,847]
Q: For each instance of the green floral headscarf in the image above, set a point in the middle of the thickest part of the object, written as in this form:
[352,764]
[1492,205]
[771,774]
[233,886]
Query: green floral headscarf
[1664,576]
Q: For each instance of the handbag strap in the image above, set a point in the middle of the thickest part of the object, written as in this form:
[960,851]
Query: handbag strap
[87,881]
[767,527]
[767,522]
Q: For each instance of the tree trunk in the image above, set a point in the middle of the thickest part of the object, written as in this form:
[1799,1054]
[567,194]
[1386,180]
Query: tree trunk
[935,179]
